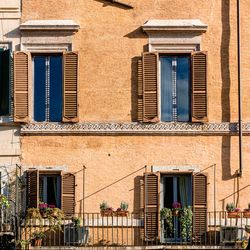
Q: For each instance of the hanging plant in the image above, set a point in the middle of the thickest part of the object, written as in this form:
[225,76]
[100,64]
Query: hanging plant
[186,218]
[167,217]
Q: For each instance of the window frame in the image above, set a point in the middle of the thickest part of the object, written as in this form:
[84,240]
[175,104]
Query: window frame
[174,53]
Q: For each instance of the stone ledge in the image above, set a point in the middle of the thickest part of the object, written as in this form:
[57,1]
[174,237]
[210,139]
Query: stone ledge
[133,128]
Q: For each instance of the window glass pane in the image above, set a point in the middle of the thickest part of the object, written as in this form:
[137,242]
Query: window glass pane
[55,108]
[183,88]
[39,88]
[166,88]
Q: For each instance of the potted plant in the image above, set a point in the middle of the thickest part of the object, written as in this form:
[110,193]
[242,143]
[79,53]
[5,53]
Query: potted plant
[33,214]
[76,221]
[166,220]
[123,209]
[176,206]
[186,218]
[37,238]
[246,212]
[22,244]
[43,208]
[232,211]
[106,210]
[4,202]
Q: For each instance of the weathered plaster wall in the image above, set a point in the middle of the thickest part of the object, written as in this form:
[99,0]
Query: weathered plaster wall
[109,41]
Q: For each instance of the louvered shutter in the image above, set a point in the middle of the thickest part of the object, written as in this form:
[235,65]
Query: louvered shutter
[199,87]
[68,194]
[199,206]
[32,188]
[150,87]
[70,87]
[21,86]
[151,208]
[5,76]
[140,91]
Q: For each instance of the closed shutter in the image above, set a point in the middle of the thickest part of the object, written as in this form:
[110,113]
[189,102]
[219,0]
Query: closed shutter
[70,87]
[32,188]
[151,208]
[140,90]
[5,76]
[199,206]
[199,87]
[150,87]
[21,86]
[68,194]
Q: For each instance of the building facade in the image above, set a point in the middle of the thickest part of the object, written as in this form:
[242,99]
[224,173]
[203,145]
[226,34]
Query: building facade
[134,101]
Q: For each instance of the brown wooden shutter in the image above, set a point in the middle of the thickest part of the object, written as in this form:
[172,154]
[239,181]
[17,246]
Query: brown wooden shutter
[199,87]
[32,188]
[199,206]
[68,194]
[70,87]
[140,90]
[151,208]
[150,87]
[21,86]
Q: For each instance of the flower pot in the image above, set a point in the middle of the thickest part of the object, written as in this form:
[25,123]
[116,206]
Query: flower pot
[106,212]
[37,242]
[121,213]
[43,214]
[246,214]
[175,212]
[233,214]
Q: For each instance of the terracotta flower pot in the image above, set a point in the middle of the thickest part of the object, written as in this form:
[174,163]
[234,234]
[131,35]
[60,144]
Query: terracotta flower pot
[175,212]
[37,242]
[246,214]
[106,212]
[233,214]
[121,213]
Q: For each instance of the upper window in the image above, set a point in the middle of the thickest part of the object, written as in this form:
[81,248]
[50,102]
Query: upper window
[48,90]
[54,81]
[175,88]
[4,82]
[172,88]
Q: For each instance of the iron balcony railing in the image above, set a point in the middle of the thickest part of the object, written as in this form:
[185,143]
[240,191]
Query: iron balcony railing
[135,229]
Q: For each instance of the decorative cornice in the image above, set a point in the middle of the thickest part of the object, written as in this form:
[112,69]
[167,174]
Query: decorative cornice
[134,128]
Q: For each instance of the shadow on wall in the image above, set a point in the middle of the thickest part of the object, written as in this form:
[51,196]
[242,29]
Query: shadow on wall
[109,3]
[225,91]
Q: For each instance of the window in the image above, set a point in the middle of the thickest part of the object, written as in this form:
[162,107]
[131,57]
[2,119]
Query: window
[53,187]
[172,87]
[48,88]
[161,189]
[175,88]
[4,82]
[54,81]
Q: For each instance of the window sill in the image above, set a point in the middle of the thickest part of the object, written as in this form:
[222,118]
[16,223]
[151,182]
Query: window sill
[134,128]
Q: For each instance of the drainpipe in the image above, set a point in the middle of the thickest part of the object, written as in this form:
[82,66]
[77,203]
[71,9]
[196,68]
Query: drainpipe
[239,89]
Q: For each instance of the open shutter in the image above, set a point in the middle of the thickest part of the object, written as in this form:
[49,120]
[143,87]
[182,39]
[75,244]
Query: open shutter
[5,76]
[199,206]
[150,87]
[70,87]
[68,194]
[32,188]
[151,208]
[140,90]
[21,86]
[199,87]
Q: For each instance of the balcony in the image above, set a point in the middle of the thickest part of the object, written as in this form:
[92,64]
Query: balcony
[94,230]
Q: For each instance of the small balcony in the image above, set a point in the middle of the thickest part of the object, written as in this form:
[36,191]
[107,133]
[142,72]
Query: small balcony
[96,230]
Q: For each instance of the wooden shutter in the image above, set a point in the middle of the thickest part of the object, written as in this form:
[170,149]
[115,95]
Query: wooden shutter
[199,87]
[32,188]
[70,87]
[68,194]
[21,86]
[199,206]
[150,87]
[140,90]
[5,76]
[151,208]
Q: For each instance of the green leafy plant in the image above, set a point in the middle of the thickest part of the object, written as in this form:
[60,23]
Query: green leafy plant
[23,244]
[124,206]
[38,235]
[104,205]
[4,202]
[76,221]
[186,218]
[230,207]
[167,217]
[33,213]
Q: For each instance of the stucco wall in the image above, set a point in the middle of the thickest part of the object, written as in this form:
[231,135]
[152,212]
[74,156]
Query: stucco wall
[109,41]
